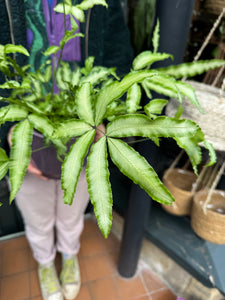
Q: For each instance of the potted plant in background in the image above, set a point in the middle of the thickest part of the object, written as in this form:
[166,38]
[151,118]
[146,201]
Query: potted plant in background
[88,97]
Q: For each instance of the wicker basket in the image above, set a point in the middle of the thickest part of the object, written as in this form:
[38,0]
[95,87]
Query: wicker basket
[214,6]
[210,225]
[212,122]
[179,182]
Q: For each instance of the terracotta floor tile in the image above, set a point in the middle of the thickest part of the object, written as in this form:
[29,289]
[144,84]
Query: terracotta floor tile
[104,289]
[111,243]
[14,261]
[91,245]
[97,267]
[37,298]
[90,227]
[84,293]
[151,281]
[15,287]
[35,289]
[15,243]
[113,260]
[162,295]
[83,273]
[32,264]
[130,288]
[146,297]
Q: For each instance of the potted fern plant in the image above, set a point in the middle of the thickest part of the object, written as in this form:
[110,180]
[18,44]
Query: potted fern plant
[88,97]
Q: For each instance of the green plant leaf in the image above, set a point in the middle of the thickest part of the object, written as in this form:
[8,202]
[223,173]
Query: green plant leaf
[168,86]
[20,153]
[84,103]
[41,124]
[73,164]
[12,113]
[179,112]
[51,50]
[63,75]
[71,128]
[60,8]
[133,98]
[155,107]
[4,163]
[78,13]
[10,84]
[99,187]
[193,68]
[156,37]
[10,48]
[86,4]
[146,58]
[135,167]
[69,35]
[193,150]
[98,74]
[88,65]
[115,90]
[212,153]
[141,125]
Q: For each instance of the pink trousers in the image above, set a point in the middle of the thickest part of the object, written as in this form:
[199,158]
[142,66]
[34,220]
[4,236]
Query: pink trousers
[44,213]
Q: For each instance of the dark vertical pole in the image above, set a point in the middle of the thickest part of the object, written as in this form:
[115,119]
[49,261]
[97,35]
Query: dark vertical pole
[135,219]
[175,19]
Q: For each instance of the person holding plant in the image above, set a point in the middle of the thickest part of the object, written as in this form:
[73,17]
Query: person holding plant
[40,197]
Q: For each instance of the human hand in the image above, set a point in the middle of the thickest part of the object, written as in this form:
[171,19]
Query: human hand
[100,132]
[35,171]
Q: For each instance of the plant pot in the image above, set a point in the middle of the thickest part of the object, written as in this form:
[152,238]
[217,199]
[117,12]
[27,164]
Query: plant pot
[212,122]
[46,159]
[210,225]
[179,182]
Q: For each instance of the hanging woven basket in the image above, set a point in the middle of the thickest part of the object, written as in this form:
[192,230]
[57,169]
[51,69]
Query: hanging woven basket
[212,122]
[209,225]
[214,6]
[179,182]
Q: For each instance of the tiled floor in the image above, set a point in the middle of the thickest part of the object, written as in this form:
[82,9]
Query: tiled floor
[98,263]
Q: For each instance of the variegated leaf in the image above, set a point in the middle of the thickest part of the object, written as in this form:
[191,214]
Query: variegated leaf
[141,125]
[146,58]
[155,107]
[115,90]
[133,98]
[84,103]
[71,128]
[4,163]
[167,86]
[72,165]
[99,187]
[12,113]
[10,48]
[192,148]
[41,124]
[192,69]
[20,153]
[156,37]
[78,13]
[212,153]
[135,167]
[86,4]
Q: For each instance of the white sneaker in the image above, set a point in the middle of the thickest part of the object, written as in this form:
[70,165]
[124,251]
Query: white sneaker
[70,277]
[49,283]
